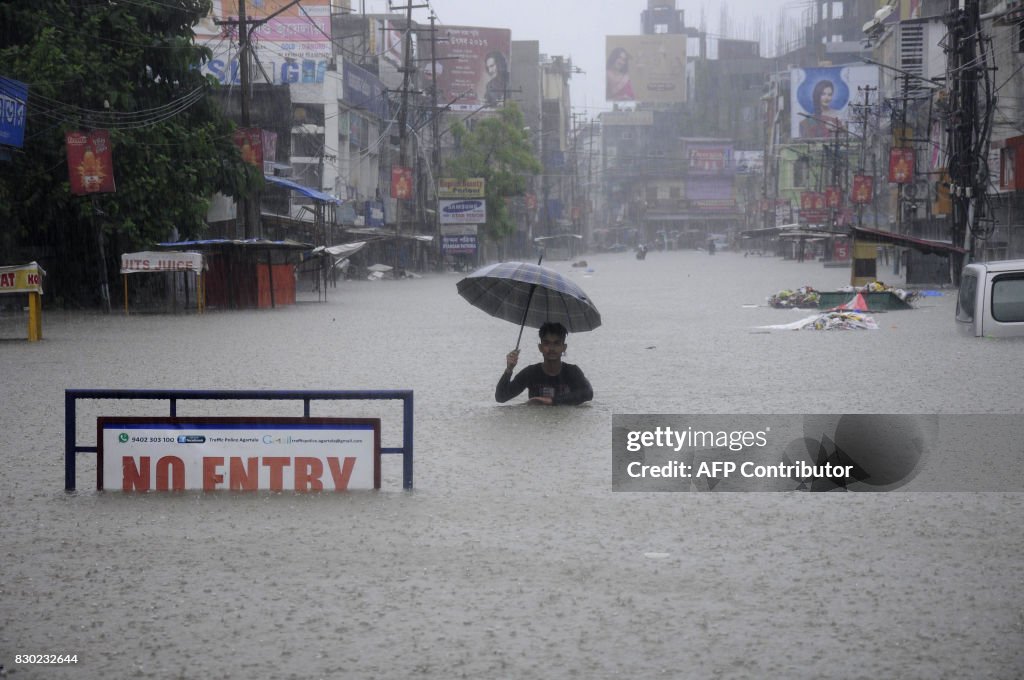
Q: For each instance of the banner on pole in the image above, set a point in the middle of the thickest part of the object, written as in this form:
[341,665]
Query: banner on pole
[90,162]
[901,166]
[401,182]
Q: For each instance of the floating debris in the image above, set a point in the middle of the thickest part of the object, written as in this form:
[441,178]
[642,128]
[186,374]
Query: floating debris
[829,321]
[908,296]
[803,297]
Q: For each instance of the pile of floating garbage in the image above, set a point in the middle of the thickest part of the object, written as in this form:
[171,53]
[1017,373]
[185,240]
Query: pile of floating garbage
[879,287]
[805,296]
[829,321]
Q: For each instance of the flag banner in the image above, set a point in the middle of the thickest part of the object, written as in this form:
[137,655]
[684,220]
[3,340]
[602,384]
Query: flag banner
[90,162]
[401,182]
[901,166]
[863,189]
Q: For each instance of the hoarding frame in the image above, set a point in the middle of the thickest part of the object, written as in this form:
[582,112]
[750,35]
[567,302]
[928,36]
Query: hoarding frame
[73,396]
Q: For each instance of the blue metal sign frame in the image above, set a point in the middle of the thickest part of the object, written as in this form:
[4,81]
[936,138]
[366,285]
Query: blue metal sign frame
[72,397]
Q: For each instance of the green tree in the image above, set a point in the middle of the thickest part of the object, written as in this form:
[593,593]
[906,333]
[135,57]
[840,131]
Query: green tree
[131,68]
[497,149]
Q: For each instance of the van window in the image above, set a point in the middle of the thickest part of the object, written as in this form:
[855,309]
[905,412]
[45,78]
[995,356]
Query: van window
[1008,298]
[965,301]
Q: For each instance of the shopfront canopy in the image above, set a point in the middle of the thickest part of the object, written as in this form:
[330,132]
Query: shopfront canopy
[304,190]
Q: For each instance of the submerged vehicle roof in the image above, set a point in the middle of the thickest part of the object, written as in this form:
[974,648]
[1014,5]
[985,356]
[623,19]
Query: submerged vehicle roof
[1000,265]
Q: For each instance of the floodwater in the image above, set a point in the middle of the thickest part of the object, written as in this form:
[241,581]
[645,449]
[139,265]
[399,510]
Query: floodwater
[512,558]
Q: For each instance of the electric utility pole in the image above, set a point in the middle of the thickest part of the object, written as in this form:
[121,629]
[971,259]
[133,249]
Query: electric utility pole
[435,133]
[865,113]
[403,124]
[248,207]
[963,74]
[246,91]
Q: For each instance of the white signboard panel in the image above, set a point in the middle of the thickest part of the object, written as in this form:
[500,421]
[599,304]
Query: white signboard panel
[170,261]
[463,211]
[238,454]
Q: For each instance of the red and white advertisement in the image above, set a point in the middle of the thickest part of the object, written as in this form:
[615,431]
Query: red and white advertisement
[401,182]
[250,143]
[709,160]
[90,162]
[901,166]
[238,454]
[813,207]
[473,66]
[841,249]
[863,189]
[833,197]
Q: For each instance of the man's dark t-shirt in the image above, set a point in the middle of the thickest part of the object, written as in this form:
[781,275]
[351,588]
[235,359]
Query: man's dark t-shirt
[569,387]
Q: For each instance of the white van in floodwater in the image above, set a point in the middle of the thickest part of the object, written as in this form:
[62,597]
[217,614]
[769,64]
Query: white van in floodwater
[991,299]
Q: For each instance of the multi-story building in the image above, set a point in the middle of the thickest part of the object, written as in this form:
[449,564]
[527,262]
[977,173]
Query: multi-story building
[671,159]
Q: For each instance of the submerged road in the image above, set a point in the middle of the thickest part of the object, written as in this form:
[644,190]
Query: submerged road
[513,557]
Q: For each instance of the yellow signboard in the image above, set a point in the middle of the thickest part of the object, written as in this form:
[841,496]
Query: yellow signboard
[449,187]
[23,278]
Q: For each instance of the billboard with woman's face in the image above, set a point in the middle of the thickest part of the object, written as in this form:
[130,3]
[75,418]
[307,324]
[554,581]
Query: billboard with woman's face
[822,99]
[473,66]
[645,68]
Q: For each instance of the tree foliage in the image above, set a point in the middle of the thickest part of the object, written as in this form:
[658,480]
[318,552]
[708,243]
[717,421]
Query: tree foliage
[497,149]
[132,68]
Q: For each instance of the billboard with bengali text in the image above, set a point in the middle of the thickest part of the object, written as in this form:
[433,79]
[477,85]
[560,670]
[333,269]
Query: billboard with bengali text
[473,66]
[645,68]
[13,101]
[292,47]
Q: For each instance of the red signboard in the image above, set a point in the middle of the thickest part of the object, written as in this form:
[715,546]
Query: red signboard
[709,159]
[401,182]
[840,249]
[90,163]
[250,142]
[833,197]
[863,189]
[268,140]
[812,200]
[812,207]
[901,166]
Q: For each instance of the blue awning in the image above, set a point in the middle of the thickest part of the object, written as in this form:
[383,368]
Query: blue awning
[305,191]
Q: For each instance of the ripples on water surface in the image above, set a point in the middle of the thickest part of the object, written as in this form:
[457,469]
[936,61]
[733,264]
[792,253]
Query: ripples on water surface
[512,558]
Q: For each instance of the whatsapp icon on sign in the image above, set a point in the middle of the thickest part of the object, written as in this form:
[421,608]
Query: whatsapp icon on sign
[123,437]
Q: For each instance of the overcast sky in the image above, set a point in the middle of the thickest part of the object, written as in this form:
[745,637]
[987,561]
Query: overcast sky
[577,28]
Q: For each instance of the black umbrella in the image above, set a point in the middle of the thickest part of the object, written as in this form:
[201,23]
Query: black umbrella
[530,295]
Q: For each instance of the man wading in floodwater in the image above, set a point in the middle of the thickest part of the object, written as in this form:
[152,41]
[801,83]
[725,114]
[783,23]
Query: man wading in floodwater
[552,382]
